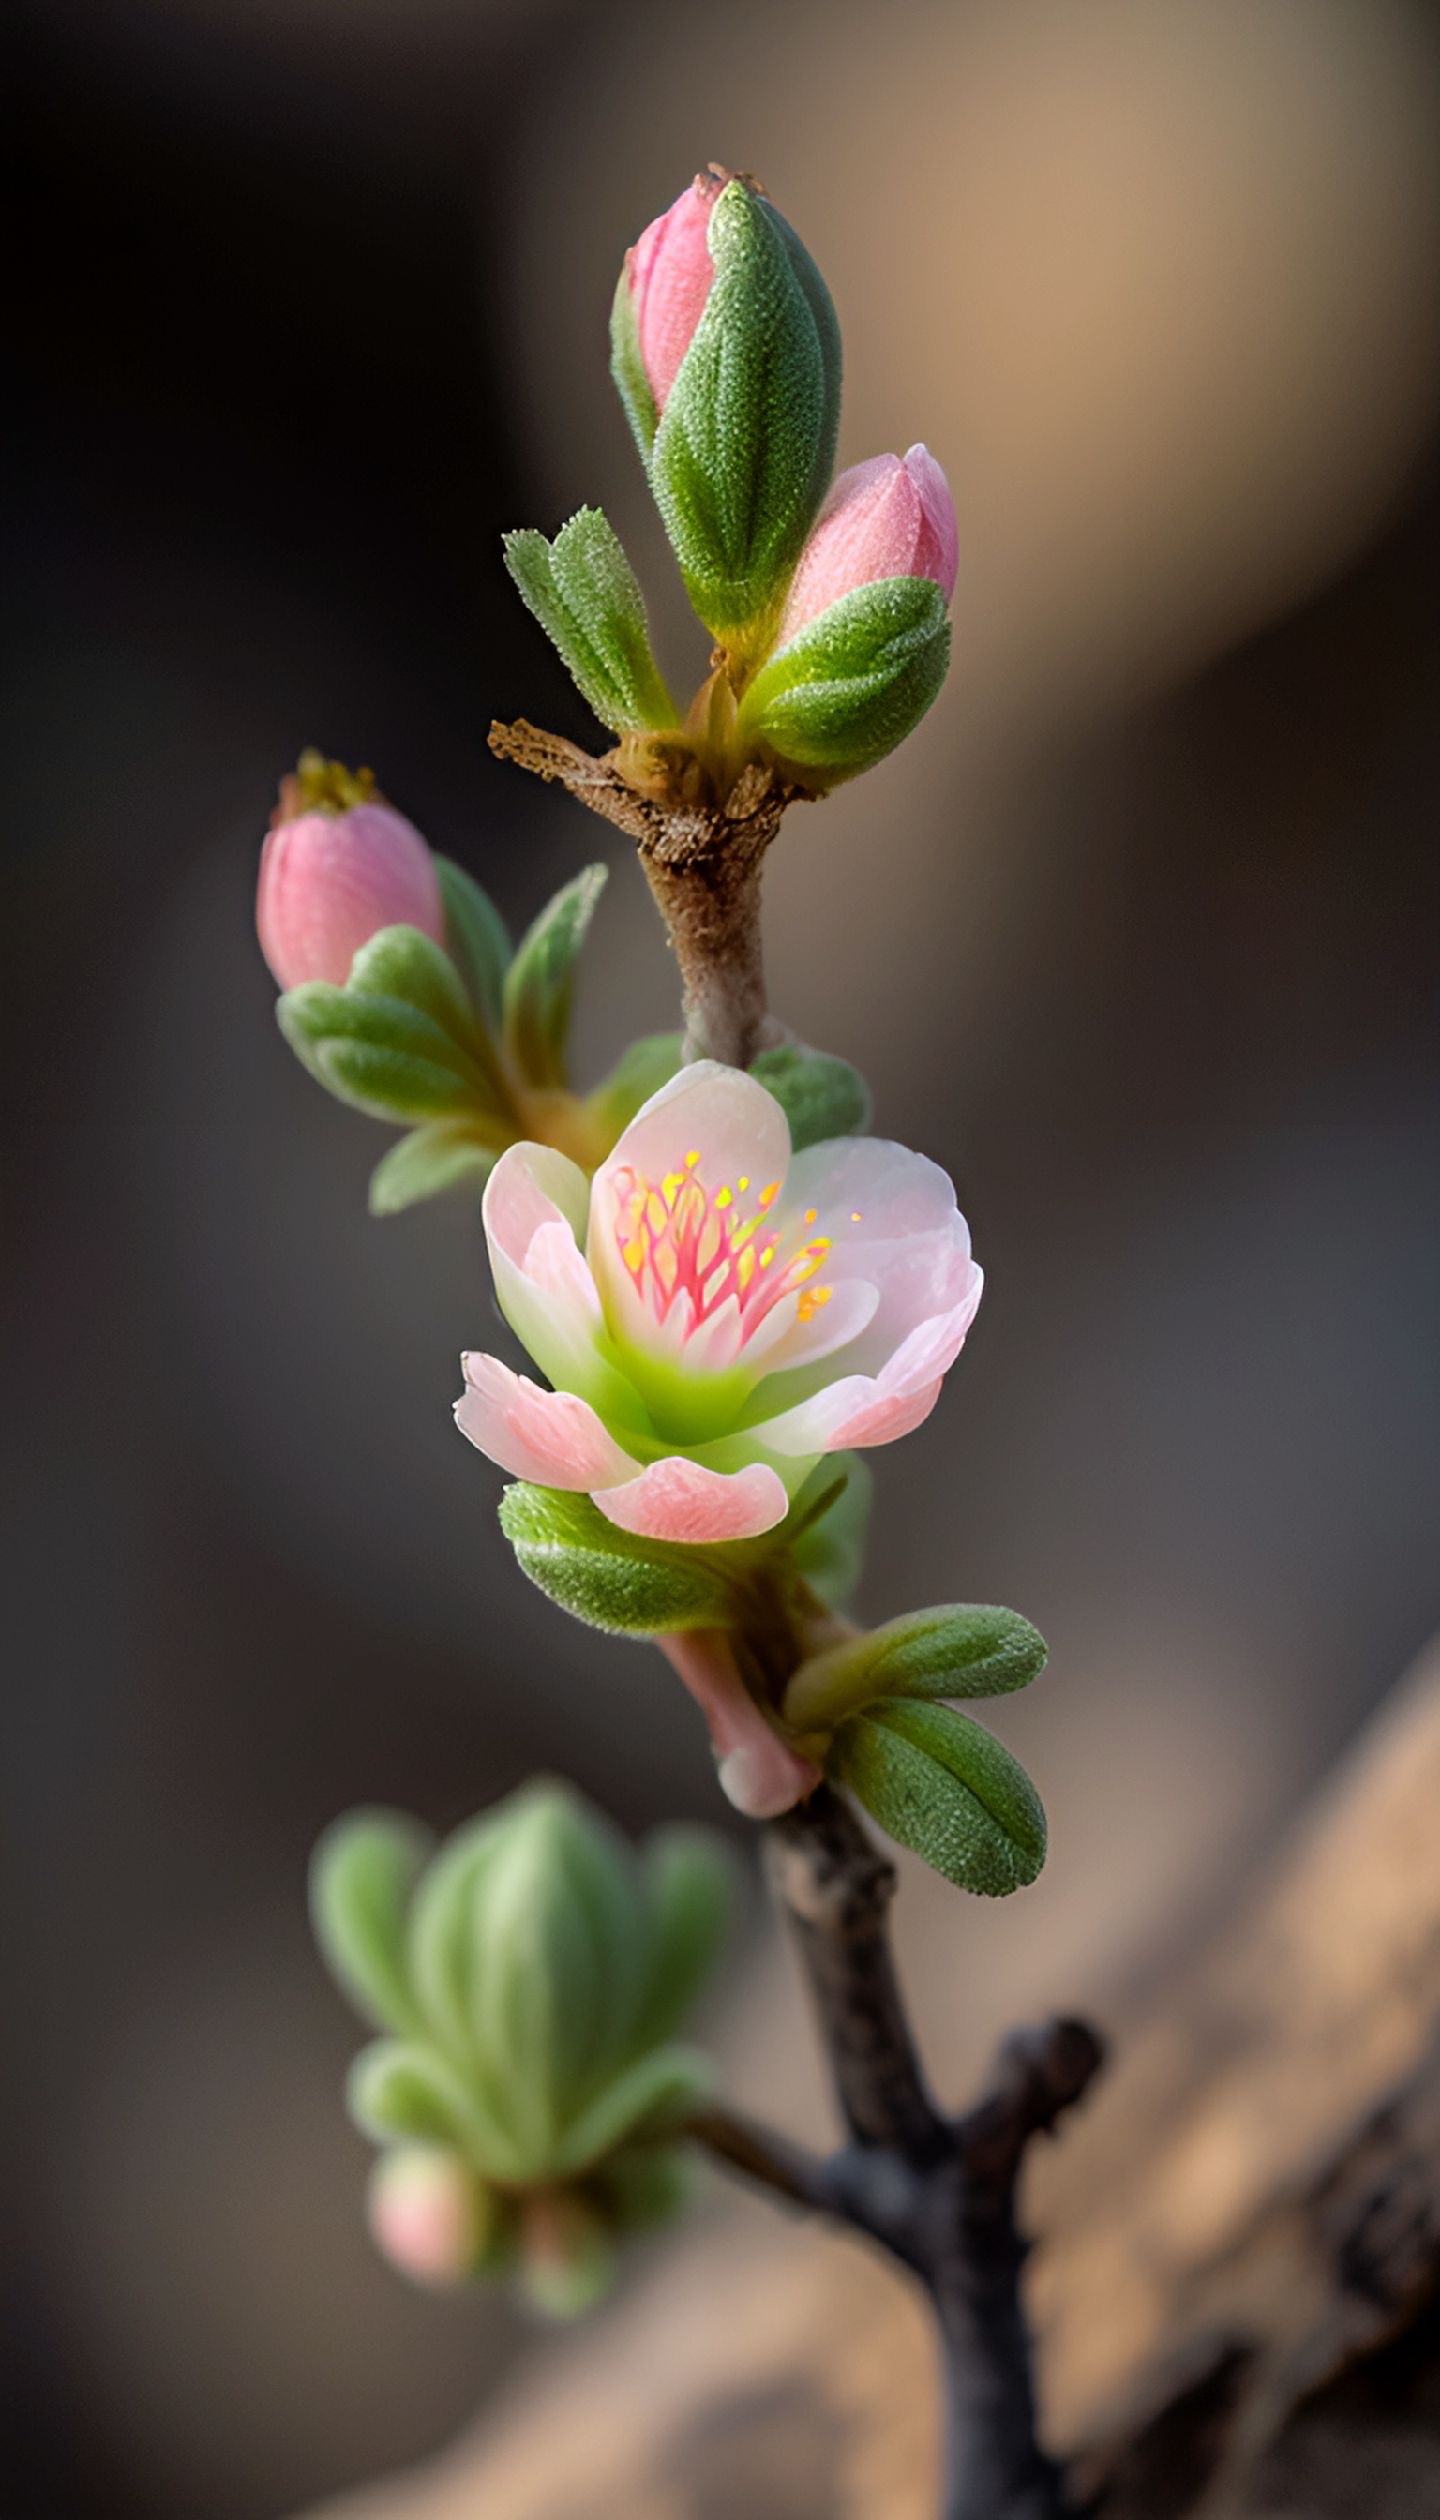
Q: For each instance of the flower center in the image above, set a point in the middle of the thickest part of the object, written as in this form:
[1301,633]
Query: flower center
[684,1245]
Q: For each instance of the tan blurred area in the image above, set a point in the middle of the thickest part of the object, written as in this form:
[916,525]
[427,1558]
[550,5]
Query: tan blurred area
[1137,936]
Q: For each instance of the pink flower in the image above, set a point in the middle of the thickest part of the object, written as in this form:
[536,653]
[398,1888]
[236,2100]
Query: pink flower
[715,1315]
[332,875]
[668,274]
[888,518]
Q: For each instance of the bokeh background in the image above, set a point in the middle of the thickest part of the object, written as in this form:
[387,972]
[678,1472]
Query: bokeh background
[1137,936]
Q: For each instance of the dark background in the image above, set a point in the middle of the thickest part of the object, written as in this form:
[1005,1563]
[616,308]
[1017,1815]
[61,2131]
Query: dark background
[1138,936]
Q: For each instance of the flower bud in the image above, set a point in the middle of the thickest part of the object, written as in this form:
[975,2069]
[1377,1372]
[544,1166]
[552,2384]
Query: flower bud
[726,355]
[339,864]
[429,2214]
[892,517]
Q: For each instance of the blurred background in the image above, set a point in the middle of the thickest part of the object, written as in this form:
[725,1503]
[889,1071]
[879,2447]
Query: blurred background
[1137,936]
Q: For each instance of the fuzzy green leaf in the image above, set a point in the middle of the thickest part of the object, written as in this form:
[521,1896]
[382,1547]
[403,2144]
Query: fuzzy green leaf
[821,1097]
[688,1878]
[855,682]
[396,2091]
[438,1157]
[362,1875]
[956,1651]
[381,1054]
[650,2098]
[628,367]
[946,1789]
[611,1578]
[586,598]
[540,982]
[829,1549]
[404,963]
[637,1074]
[740,456]
[478,940]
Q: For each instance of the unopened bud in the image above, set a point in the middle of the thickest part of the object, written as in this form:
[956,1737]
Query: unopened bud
[892,517]
[338,865]
[429,2214]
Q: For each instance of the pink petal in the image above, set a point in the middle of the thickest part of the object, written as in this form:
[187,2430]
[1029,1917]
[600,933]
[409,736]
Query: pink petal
[532,1186]
[536,1203]
[938,551]
[677,1499]
[670,272]
[893,1224]
[760,1774]
[735,1129]
[548,1436]
[864,1409]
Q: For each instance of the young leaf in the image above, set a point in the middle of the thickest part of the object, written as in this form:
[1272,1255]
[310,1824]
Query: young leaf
[651,2097]
[829,1549]
[398,2091]
[381,1054]
[952,1652]
[402,962]
[610,1578]
[362,1875]
[586,597]
[640,1072]
[540,981]
[821,1097]
[947,1790]
[688,1881]
[437,1157]
[478,940]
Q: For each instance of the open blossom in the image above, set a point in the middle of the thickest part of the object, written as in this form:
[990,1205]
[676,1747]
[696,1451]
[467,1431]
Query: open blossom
[715,1314]
[888,518]
[338,865]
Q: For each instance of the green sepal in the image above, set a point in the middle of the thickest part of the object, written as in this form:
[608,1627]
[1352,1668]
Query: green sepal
[828,1546]
[956,1651]
[740,457]
[586,598]
[613,1579]
[478,940]
[947,1789]
[821,1097]
[628,368]
[638,1073]
[362,1876]
[575,2266]
[539,984]
[401,2093]
[428,1160]
[384,1058]
[854,682]
[688,1882]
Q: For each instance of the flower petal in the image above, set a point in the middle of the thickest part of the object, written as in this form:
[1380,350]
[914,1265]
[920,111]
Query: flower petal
[892,1222]
[548,1436]
[863,1409]
[677,1499]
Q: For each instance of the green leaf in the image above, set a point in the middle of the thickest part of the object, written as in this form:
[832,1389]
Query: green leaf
[829,1549]
[438,1157]
[638,1073]
[958,1650]
[478,940]
[741,453]
[821,1097]
[586,598]
[381,1054]
[652,2097]
[362,1875]
[854,683]
[688,1879]
[402,962]
[540,981]
[946,1789]
[611,1578]
[400,2091]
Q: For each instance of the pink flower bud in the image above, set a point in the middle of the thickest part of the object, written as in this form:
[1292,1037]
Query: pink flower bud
[669,272]
[888,518]
[429,2214]
[338,865]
